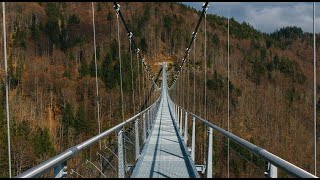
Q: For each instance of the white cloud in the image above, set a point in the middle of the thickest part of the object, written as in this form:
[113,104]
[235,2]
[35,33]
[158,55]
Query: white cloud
[268,16]
[269,19]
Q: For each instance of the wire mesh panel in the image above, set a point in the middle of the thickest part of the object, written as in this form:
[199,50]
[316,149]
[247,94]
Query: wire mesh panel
[89,159]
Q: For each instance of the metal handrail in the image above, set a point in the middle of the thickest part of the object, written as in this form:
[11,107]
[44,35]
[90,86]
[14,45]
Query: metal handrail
[273,159]
[74,150]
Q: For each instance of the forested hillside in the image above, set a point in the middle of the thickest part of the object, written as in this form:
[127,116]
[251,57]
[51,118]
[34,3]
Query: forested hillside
[53,92]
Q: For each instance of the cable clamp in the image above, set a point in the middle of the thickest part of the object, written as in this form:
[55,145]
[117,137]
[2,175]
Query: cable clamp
[188,50]
[194,35]
[130,34]
[117,7]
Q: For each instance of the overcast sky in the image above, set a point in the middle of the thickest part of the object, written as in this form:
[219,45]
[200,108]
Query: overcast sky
[267,16]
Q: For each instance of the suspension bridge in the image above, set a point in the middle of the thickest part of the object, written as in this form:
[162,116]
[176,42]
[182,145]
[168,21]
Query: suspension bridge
[163,144]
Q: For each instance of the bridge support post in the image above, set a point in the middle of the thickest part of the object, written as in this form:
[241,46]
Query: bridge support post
[137,146]
[150,119]
[193,138]
[121,170]
[144,135]
[178,117]
[185,135]
[60,171]
[149,122]
[272,171]
[209,156]
[154,112]
[181,121]
[175,110]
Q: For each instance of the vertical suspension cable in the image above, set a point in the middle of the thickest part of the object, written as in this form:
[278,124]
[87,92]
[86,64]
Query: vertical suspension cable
[183,85]
[179,94]
[130,41]
[228,96]
[314,92]
[143,85]
[139,90]
[188,69]
[205,64]
[122,110]
[7,82]
[205,74]
[182,93]
[180,89]
[194,75]
[95,62]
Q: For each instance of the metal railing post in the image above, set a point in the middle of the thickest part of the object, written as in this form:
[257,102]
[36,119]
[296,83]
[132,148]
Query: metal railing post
[178,117]
[272,171]
[136,127]
[60,171]
[180,127]
[150,119]
[121,170]
[55,162]
[154,114]
[193,141]
[209,156]
[144,135]
[175,110]
[185,135]
[149,122]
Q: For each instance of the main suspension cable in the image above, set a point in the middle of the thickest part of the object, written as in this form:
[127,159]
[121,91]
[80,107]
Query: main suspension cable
[193,36]
[117,6]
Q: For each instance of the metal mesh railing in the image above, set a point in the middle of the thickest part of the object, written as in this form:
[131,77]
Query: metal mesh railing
[121,147]
[246,159]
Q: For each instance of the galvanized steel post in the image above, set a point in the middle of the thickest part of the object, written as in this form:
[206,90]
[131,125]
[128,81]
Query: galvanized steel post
[121,170]
[149,122]
[144,136]
[137,146]
[181,119]
[209,156]
[175,110]
[178,118]
[154,114]
[150,113]
[151,116]
[193,140]
[60,171]
[185,135]
[272,171]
